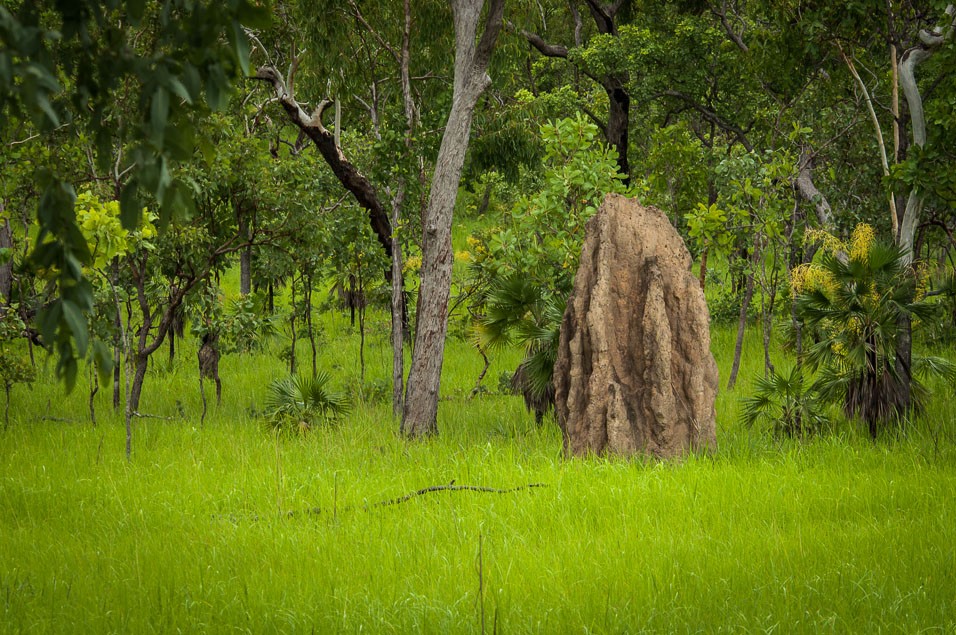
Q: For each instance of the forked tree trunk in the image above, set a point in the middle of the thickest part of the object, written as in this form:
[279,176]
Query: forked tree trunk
[420,416]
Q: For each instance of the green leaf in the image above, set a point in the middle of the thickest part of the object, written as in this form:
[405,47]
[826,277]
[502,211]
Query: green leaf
[76,321]
[135,10]
[241,44]
[131,207]
[48,318]
[253,15]
[158,114]
[179,89]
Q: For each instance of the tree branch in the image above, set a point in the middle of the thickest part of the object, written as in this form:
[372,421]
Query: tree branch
[348,174]
[804,186]
[490,33]
[711,116]
[546,49]
[735,37]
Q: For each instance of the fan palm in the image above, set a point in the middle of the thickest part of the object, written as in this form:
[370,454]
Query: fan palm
[518,311]
[854,315]
[299,401]
[785,401]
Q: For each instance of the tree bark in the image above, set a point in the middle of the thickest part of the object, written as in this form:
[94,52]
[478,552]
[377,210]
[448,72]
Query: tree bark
[930,42]
[344,170]
[245,256]
[6,269]
[420,417]
[141,362]
[619,100]
[806,189]
[398,312]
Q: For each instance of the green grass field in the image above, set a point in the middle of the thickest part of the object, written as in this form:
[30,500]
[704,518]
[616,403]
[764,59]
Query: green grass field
[227,527]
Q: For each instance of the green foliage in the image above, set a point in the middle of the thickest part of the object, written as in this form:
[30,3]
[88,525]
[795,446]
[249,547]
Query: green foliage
[517,311]
[541,237]
[296,403]
[14,367]
[525,271]
[786,403]
[242,325]
[854,312]
[67,63]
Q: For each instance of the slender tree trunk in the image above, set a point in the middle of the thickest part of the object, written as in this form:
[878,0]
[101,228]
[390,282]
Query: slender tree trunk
[292,327]
[245,271]
[398,311]
[141,363]
[471,62]
[703,268]
[202,395]
[128,410]
[361,316]
[94,388]
[352,299]
[308,321]
[741,328]
[118,338]
[245,256]
[6,269]
[877,130]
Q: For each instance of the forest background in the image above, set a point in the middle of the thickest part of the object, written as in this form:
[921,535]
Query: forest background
[267,187]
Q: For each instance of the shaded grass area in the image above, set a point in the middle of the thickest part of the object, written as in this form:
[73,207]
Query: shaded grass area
[831,534]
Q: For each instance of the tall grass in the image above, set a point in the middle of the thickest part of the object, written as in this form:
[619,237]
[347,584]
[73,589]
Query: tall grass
[228,527]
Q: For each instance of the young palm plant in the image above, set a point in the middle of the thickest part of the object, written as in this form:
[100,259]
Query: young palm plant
[786,402]
[517,311]
[853,312]
[298,402]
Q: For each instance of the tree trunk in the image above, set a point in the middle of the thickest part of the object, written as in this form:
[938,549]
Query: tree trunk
[6,269]
[619,103]
[361,313]
[471,62]
[292,327]
[141,363]
[741,328]
[309,326]
[245,271]
[118,337]
[94,388]
[929,44]
[398,312]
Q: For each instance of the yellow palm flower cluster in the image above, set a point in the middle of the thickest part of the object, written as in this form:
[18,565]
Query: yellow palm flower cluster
[477,245]
[810,277]
[828,242]
[412,264]
[861,242]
